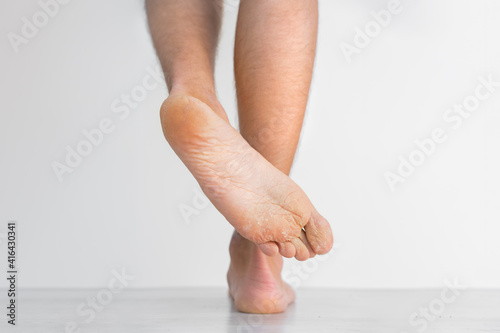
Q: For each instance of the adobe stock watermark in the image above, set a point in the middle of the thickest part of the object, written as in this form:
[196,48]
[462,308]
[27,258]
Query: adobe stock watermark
[198,203]
[421,319]
[363,37]
[454,117]
[121,108]
[249,323]
[31,26]
[88,310]
[301,271]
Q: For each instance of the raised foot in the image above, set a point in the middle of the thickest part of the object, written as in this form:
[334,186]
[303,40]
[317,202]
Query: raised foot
[263,204]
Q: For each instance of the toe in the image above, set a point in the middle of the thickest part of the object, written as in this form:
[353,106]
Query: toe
[302,253]
[269,249]
[304,240]
[287,249]
[319,234]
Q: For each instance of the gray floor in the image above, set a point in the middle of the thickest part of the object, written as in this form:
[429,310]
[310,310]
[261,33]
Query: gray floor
[210,310]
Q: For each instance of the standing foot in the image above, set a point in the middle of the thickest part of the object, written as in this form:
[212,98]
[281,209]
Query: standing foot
[254,279]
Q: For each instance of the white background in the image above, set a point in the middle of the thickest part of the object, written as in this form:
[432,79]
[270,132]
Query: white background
[120,206]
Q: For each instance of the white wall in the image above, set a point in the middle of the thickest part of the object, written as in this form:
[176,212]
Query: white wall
[120,206]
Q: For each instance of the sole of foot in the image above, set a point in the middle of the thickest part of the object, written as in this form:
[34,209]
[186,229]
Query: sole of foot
[263,204]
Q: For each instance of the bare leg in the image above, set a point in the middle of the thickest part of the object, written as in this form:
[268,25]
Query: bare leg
[274,58]
[185,34]
[262,203]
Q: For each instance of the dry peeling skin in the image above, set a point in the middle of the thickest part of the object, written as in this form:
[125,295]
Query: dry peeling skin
[263,204]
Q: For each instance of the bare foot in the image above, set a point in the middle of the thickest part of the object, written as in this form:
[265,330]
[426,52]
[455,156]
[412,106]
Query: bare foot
[263,204]
[254,279]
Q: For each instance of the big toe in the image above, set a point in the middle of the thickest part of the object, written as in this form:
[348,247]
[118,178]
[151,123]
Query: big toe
[319,233]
